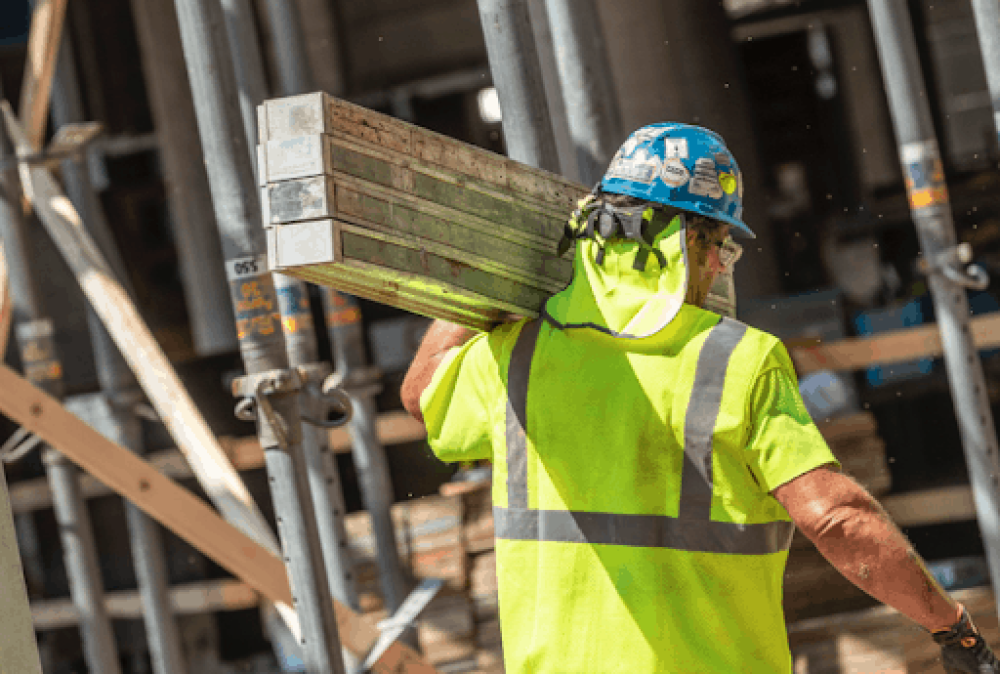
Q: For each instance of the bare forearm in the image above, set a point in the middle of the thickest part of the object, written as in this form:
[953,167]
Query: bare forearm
[440,337]
[867,548]
[857,536]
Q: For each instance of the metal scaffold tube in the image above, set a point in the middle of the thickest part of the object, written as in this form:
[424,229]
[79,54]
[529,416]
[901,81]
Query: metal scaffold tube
[121,392]
[271,390]
[369,455]
[943,261]
[586,84]
[301,344]
[324,477]
[247,65]
[553,90]
[294,74]
[517,75]
[36,340]
[343,317]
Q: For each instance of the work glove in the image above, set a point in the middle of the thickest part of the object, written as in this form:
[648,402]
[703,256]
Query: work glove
[964,650]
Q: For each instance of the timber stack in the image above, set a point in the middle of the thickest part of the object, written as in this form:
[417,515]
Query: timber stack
[881,639]
[429,540]
[385,210]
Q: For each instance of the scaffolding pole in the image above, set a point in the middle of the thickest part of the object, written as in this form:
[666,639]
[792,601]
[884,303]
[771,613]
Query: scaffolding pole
[120,389]
[18,648]
[586,84]
[270,390]
[553,90]
[370,461]
[942,260]
[517,75]
[247,66]
[206,292]
[296,318]
[343,319]
[294,73]
[36,341]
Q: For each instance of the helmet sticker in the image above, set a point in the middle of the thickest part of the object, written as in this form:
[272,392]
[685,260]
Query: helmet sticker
[674,173]
[641,136]
[641,168]
[675,147]
[728,182]
[722,158]
[739,181]
[706,179]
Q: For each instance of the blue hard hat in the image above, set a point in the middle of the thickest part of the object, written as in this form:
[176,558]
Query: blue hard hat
[680,165]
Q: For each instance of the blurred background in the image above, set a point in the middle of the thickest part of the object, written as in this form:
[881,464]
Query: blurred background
[794,86]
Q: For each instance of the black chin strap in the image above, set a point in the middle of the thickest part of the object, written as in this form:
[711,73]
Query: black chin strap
[609,222]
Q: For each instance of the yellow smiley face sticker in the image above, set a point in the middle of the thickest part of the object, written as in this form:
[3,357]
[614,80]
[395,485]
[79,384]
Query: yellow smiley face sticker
[728,182]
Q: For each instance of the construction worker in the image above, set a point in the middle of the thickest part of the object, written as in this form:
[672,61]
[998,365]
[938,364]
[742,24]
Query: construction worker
[651,458]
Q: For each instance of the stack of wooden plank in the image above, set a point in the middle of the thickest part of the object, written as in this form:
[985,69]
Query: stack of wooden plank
[483,591]
[477,537]
[389,211]
[880,640]
[428,536]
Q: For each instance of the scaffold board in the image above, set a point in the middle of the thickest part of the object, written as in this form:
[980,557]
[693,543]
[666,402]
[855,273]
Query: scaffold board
[386,210]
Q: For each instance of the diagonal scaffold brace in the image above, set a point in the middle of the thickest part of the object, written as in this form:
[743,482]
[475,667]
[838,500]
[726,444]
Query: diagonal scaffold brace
[112,304]
[183,513]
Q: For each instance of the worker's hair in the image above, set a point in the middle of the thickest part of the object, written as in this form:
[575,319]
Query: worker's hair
[701,223]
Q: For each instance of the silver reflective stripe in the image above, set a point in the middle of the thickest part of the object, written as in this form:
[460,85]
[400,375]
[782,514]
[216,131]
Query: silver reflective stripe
[646,531]
[702,413]
[517,415]
[693,530]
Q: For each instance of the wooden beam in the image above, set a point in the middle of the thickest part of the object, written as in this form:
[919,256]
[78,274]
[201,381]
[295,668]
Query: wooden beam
[898,346]
[159,497]
[931,506]
[44,40]
[111,302]
[207,596]
[180,511]
[245,454]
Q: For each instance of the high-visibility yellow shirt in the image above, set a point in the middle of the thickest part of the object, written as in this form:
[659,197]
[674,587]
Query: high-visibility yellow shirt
[635,527]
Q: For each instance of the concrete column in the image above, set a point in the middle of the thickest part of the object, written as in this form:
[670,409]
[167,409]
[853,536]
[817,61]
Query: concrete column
[553,89]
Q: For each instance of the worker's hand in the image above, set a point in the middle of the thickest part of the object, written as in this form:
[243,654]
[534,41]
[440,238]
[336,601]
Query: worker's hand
[964,650]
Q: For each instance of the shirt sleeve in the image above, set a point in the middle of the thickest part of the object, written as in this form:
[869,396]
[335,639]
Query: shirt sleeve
[784,442]
[457,403]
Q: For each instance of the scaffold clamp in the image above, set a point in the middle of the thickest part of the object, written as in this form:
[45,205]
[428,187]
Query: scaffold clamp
[954,264]
[256,391]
